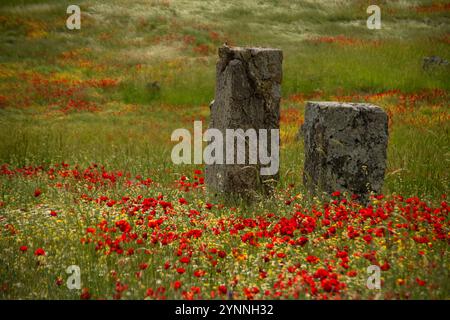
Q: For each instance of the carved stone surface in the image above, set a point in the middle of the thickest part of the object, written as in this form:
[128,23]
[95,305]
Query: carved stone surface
[345,147]
[248,92]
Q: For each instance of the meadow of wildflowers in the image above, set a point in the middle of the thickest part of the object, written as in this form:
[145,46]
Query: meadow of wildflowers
[157,243]
[86,177]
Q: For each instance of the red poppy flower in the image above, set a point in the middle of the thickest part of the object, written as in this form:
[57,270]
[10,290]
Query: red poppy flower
[312,259]
[195,289]
[53,213]
[90,230]
[352,273]
[177,285]
[199,273]
[181,270]
[85,295]
[342,254]
[385,266]
[143,266]
[222,289]
[121,287]
[59,281]
[421,282]
[185,260]
[302,241]
[39,252]
[123,225]
[329,284]
[367,238]
[111,203]
[37,192]
[149,292]
[23,249]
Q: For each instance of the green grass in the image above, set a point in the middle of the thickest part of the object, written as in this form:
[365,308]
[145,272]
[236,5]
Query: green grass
[174,44]
[154,39]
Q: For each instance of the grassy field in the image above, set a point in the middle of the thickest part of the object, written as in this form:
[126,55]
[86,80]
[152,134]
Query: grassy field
[86,118]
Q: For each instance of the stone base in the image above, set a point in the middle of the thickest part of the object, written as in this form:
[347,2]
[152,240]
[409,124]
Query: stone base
[345,147]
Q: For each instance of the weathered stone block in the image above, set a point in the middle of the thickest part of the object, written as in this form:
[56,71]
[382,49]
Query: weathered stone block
[248,92]
[345,147]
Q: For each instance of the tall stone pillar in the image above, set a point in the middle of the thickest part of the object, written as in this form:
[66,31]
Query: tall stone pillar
[248,92]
